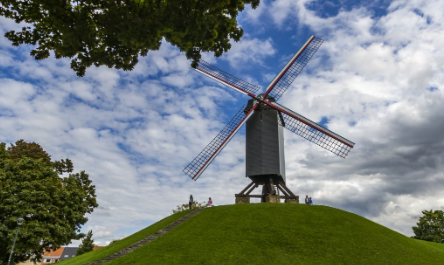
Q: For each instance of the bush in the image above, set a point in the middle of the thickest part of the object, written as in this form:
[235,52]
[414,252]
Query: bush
[185,206]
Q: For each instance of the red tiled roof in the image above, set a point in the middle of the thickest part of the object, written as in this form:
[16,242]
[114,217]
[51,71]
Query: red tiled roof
[58,252]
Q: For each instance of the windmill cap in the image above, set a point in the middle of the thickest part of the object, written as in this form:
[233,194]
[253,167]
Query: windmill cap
[252,101]
[268,97]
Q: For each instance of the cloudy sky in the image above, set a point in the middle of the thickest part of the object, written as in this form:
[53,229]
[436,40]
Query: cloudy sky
[377,80]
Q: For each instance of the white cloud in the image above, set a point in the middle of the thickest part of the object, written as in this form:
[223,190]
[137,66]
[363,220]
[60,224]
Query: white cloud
[247,51]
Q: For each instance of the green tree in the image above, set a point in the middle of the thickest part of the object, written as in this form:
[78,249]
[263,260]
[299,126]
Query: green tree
[53,206]
[87,244]
[430,226]
[185,206]
[114,33]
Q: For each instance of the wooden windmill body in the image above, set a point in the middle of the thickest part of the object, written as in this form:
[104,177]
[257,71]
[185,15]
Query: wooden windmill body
[264,151]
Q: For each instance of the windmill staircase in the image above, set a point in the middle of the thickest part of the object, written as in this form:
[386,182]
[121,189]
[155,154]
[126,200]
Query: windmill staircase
[147,239]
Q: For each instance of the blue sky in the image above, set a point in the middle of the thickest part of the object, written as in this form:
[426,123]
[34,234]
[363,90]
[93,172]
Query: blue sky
[376,80]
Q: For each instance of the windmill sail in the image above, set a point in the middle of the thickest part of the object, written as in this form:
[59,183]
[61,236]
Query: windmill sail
[227,79]
[314,132]
[206,156]
[288,74]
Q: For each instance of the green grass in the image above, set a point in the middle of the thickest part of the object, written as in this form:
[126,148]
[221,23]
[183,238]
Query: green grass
[432,244]
[282,234]
[123,243]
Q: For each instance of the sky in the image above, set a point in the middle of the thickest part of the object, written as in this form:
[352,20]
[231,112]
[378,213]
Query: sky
[377,80]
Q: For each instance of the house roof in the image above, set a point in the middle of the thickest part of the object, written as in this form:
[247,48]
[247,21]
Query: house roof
[54,253]
[64,252]
[69,252]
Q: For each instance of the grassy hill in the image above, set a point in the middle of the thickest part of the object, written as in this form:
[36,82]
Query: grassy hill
[279,234]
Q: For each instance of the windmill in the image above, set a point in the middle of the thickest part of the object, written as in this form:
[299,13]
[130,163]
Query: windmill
[265,118]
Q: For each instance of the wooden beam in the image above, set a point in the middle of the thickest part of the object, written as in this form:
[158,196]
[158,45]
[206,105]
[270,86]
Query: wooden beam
[247,187]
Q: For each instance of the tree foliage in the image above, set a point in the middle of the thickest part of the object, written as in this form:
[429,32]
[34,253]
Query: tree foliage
[87,244]
[53,206]
[114,33]
[185,206]
[430,226]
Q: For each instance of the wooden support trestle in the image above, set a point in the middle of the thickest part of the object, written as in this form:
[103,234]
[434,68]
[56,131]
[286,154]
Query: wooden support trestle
[270,193]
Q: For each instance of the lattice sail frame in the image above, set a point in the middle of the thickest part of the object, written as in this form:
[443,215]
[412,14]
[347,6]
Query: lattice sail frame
[283,80]
[226,78]
[200,163]
[310,130]
[315,136]
[294,122]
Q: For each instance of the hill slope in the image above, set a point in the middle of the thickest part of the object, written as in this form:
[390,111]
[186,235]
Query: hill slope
[104,252]
[282,234]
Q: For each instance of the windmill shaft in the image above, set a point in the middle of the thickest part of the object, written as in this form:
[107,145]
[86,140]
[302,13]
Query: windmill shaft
[285,69]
